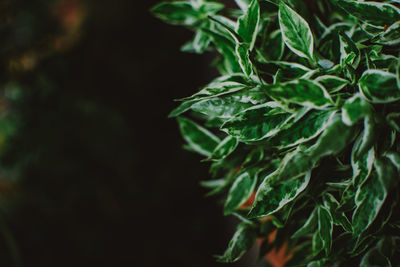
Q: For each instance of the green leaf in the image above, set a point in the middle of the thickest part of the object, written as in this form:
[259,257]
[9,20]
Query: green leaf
[355,109]
[333,140]
[226,147]
[361,163]
[325,228]
[302,92]
[223,85]
[296,32]
[240,191]
[374,258]
[254,157]
[198,138]
[221,107]
[243,4]
[272,46]
[247,27]
[183,13]
[272,197]
[256,123]
[309,226]
[394,120]
[293,165]
[317,244]
[349,52]
[374,13]
[226,47]
[391,36]
[182,108]
[209,8]
[387,171]
[225,104]
[242,52]
[199,44]
[339,218]
[369,136]
[241,242]
[369,200]
[379,86]
[307,128]
[332,83]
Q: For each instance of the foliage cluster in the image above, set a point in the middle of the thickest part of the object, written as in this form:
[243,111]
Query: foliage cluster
[305,115]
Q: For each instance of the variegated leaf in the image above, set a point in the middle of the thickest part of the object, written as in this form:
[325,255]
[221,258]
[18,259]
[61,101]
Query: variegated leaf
[272,197]
[240,191]
[379,86]
[242,240]
[296,32]
[198,138]
[256,123]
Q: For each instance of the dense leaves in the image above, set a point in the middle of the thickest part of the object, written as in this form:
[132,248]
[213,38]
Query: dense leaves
[307,108]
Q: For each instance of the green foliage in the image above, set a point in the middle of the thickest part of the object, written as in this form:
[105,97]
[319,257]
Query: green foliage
[307,108]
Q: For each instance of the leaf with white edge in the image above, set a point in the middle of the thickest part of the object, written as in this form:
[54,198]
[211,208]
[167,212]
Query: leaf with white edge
[394,157]
[332,83]
[183,13]
[240,191]
[272,46]
[222,20]
[369,200]
[272,197]
[242,52]
[226,47]
[243,4]
[243,239]
[216,90]
[288,70]
[256,123]
[221,107]
[254,157]
[369,136]
[182,108]
[307,128]
[293,165]
[317,244]
[325,228]
[227,106]
[394,120]
[309,226]
[361,163]
[374,258]
[391,36]
[379,86]
[210,8]
[339,218]
[334,139]
[225,148]
[247,27]
[296,32]
[198,138]
[303,92]
[387,171]
[199,44]
[374,13]
[223,85]
[355,109]
[349,52]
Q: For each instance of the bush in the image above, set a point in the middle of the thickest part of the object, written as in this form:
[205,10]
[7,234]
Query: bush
[305,116]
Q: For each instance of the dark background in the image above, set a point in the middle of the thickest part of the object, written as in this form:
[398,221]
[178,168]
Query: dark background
[102,176]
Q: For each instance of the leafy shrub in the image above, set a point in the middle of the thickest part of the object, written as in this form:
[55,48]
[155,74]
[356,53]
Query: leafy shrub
[305,115]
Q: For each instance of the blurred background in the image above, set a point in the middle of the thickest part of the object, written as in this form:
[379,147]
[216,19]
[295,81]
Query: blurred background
[92,173]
